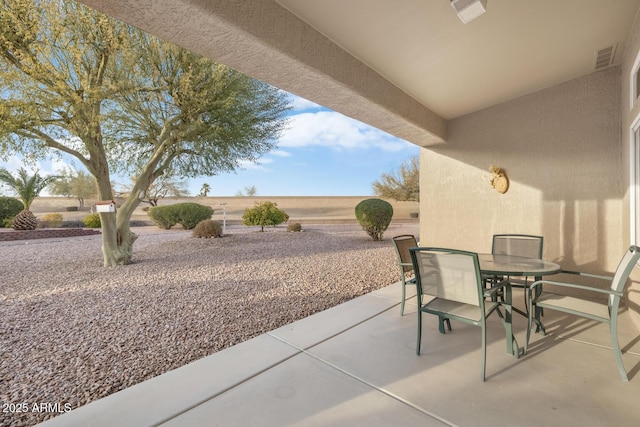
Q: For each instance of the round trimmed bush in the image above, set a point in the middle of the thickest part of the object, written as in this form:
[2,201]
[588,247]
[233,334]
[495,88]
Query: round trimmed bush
[9,208]
[185,214]
[207,228]
[295,226]
[92,221]
[374,216]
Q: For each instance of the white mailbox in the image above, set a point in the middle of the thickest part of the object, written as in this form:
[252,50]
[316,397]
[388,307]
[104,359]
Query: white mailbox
[106,206]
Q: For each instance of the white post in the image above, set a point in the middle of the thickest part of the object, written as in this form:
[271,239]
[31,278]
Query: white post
[224,218]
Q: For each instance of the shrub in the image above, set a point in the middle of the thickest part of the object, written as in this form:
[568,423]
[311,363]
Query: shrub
[185,214]
[9,208]
[52,220]
[295,226]
[190,214]
[263,214]
[374,216]
[92,220]
[7,223]
[207,228]
[162,216]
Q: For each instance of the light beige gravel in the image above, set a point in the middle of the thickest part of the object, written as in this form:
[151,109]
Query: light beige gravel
[73,331]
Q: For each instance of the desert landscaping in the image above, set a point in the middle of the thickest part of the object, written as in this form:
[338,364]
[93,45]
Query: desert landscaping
[316,209]
[75,331]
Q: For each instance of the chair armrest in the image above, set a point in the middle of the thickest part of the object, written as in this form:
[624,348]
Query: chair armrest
[495,288]
[574,286]
[595,276]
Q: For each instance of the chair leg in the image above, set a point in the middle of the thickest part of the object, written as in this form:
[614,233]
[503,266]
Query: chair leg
[530,314]
[419,331]
[484,351]
[441,323]
[404,285]
[613,327]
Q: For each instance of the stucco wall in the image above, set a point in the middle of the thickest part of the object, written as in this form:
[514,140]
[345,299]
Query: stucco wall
[630,114]
[561,150]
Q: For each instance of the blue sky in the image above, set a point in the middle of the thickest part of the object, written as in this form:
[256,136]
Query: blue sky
[322,153]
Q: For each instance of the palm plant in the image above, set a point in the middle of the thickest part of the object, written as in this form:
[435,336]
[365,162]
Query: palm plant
[28,188]
[204,191]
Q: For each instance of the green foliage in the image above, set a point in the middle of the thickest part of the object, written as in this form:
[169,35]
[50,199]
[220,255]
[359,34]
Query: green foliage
[264,214]
[53,220]
[28,187]
[294,226]
[374,216]
[9,208]
[7,222]
[185,214]
[92,221]
[403,184]
[207,228]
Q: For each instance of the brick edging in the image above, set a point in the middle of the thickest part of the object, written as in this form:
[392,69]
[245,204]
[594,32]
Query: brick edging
[7,236]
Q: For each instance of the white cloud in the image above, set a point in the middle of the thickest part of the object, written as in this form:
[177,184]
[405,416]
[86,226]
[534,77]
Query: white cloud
[331,129]
[280,153]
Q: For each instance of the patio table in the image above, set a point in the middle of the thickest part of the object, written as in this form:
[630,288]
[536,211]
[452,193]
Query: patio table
[509,265]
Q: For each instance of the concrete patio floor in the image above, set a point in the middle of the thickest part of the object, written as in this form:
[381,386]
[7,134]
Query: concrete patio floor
[355,364]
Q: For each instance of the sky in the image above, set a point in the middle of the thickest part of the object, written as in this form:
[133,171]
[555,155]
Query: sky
[321,153]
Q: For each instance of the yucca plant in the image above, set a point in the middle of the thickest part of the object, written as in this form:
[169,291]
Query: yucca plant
[28,188]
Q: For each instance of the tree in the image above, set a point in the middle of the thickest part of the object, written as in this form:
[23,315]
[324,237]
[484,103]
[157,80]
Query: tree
[164,186]
[78,184]
[28,188]
[249,191]
[263,214]
[205,189]
[119,100]
[403,184]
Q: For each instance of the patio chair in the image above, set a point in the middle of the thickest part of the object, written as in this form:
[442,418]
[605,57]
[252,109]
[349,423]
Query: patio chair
[524,245]
[587,308]
[453,278]
[402,244]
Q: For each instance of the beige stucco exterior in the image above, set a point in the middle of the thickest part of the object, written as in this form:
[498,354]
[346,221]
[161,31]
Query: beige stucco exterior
[565,150]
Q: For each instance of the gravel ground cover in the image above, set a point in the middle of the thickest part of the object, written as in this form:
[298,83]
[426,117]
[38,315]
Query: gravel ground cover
[73,331]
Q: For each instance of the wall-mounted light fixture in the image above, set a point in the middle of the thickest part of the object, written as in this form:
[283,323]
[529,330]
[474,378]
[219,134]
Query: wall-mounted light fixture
[499,181]
[469,10]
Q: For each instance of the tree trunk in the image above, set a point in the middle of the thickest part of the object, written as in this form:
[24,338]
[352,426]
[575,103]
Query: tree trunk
[117,239]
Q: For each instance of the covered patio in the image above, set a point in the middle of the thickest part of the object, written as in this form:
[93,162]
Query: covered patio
[355,364]
[562,129]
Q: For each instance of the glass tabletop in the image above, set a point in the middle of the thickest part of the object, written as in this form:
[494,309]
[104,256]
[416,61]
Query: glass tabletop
[509,265]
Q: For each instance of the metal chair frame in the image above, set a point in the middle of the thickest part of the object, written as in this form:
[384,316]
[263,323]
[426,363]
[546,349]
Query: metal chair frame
[586,308]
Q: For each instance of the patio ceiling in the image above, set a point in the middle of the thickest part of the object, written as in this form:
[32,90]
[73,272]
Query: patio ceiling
[403,66]
[516,47]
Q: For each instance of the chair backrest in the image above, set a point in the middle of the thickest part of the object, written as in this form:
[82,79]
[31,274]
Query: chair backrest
[517,245]
[448,274]
[402,244]
[628,261]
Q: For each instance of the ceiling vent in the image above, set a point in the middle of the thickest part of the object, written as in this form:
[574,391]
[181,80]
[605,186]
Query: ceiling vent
[605,56]
[469,10]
